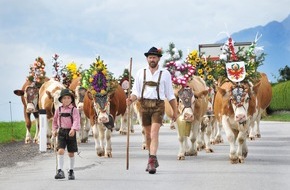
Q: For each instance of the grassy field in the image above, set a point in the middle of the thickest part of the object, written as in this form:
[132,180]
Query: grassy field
[279,116]
[15,131]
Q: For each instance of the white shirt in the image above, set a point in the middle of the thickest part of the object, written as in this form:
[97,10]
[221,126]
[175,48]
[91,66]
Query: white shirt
[150,92]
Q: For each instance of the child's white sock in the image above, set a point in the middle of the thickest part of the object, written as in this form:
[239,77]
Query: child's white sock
[71,163]
[60,162]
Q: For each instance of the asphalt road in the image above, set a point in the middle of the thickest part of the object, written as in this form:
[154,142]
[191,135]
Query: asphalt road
[267,166]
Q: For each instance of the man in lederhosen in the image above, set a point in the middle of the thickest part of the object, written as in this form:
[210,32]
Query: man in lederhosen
[152,85]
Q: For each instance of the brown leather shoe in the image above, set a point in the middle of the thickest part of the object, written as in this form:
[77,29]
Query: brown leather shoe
[151,164]
[156,165]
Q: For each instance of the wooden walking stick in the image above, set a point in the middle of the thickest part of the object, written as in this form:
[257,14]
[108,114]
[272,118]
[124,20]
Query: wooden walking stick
[129,116]
[55,151]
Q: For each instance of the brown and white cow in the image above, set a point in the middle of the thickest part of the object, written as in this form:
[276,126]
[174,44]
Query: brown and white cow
[234,107]
[102,111]
[137,107]
[192,105]
[49,93]
[264,97]
[29,97]
[207,125]
[83,133]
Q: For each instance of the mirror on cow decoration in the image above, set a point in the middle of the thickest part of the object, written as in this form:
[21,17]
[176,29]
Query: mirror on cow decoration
[185,95]
[124,80]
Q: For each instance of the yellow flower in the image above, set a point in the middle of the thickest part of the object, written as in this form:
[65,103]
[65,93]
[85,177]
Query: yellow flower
[193,53]
[200,71]
[197,59]
[91,79]
[95,72]
[100,68]
[103,92]
[104,72]
[201,76]
[208,69]
[93,91]
[209,77]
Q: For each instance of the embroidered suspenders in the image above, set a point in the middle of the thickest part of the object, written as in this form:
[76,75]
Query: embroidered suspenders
[151,83]
[65,115]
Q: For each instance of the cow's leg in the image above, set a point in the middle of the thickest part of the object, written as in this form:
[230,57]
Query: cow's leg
[118,124]
[200,142]
[218,137]
[213,132]
[124,124]
[28,127]
[79,133]
[87,128]
[231,139]
[252,130]
[208,131]
[50,138]
[108,149]
[98,145]
[193,136]
[172,125]
[252,122]
[181,152]
[242,150]
[84,131]
[258,133]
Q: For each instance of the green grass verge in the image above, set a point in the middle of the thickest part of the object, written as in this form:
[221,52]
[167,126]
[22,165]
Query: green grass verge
[14,131]
[279,116]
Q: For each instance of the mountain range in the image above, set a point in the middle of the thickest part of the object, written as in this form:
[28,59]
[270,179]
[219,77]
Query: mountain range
[275,41]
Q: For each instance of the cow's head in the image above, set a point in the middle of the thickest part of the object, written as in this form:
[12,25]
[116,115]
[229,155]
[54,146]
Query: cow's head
[101,105]
[54,96]
[79,97]
[30,95]
[240,96]
[186,102]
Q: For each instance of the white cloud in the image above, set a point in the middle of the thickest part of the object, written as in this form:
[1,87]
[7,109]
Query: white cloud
[116,30]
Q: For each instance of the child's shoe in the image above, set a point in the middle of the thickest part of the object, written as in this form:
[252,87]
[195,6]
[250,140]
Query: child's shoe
[59,175]
[71,175]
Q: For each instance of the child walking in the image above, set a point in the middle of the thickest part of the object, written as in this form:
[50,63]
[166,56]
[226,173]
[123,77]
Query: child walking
[66,122]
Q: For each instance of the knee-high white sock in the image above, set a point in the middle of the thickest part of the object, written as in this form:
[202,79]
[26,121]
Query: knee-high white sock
[71,163]
[60,162]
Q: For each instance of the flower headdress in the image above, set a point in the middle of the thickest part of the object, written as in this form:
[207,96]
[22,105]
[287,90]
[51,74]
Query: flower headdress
[181,72]
[251,58]
[37,72]
[124,80]
[69,72]
[204,67]
[98,80]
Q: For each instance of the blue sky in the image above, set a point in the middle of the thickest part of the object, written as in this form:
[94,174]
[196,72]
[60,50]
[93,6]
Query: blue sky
[116,30]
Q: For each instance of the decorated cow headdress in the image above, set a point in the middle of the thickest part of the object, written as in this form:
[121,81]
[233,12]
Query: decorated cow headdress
[98,79]
[37,72]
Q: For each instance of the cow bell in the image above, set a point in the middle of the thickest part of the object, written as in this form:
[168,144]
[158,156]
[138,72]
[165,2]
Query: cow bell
[183,127]
[110,124]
